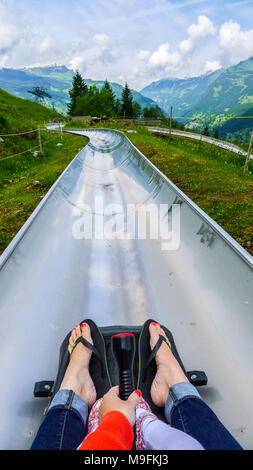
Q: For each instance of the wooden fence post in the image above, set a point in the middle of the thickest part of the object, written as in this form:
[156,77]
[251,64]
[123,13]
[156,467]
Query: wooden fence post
[171,111]
[39,138]
[248,156]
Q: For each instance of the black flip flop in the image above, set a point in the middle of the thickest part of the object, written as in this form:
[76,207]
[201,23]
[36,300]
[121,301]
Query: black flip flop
[98,364]
[147,366]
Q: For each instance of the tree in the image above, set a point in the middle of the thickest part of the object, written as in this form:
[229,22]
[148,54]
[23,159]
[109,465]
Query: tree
[152,112]
[206,130]
[78,90]
[216,134]
[40,94]
[109,99]
[127,102]
[136,110]
[96,103]
[89,104]
[117,107]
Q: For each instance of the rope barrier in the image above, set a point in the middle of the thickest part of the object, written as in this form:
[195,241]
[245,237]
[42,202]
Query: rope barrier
[20,133]
[21,153]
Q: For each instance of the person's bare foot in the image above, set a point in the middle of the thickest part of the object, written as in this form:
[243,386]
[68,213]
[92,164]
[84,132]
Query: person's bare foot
[169,371]
[77,376]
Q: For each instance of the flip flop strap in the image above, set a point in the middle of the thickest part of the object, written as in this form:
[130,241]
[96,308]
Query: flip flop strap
[153,354]
[91,347]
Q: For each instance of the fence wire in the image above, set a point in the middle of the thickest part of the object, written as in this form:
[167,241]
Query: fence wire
[25,151]
[20,153]
[19,133]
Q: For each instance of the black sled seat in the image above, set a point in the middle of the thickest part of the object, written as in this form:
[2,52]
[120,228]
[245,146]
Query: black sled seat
[50,388]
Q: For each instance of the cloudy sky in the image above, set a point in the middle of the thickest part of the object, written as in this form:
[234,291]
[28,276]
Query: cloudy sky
[135,40]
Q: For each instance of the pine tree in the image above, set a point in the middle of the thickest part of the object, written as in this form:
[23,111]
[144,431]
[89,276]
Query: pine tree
[127,102]
[111,100]
[216,134]
[78,90]
[107,85]
[206,130]
[136,110]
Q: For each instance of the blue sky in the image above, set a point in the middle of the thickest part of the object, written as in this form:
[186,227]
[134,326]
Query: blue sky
[135,40]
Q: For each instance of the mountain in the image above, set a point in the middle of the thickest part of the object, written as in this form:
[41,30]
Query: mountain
[19,115]
[182,94]
[16,116]
[232,91]
[210,98]
[58,80]
[230,95]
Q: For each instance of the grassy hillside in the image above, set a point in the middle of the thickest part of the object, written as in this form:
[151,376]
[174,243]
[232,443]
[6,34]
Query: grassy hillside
[58,81]
[210,98]
[232,91]
[18,194]
[212,177]
[182,94]
[230,95]
[18,115]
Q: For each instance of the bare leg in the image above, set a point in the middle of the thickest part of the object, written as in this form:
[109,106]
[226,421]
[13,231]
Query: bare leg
[77,376]
[169,371]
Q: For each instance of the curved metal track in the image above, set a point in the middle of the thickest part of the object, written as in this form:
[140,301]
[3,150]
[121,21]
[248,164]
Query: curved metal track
[209,140]
[49,281]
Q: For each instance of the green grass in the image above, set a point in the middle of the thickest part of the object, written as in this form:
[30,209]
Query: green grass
[16,116]
[212,177]
[18,196]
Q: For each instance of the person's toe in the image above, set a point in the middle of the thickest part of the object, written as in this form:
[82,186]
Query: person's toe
[135,397]
[78,331]
[85,332]
[154,334]
[72,340]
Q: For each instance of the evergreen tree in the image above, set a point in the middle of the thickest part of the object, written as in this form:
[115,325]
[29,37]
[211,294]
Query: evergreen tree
[136,110]
[216,134]
[206,130]
[109,98]
[78,90]
[107,85]
[127,102]
[153,112]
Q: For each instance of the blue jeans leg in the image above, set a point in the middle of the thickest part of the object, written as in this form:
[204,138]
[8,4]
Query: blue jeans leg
[64,426]
[185,410]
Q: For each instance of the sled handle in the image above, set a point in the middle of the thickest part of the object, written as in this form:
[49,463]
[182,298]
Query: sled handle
[123,348]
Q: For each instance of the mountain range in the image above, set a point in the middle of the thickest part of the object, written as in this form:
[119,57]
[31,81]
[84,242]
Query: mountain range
[58,81]
[210,99]
[197,101]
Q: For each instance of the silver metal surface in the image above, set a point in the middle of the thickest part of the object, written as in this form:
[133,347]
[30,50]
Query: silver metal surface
[209,140]
[49,281]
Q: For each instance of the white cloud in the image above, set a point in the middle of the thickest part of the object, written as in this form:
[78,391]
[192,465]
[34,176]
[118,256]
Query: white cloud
[164,59]
[46,45]
[236,45]
[143,55]
[196,33]
[9,27]
[77,63]
[101,39]
[118,39]
[212,66]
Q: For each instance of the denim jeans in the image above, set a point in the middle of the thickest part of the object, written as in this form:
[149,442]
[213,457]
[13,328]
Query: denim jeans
[185,410]
[64,426]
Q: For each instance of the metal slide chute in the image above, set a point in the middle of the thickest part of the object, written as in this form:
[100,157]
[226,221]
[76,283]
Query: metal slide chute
[50,280]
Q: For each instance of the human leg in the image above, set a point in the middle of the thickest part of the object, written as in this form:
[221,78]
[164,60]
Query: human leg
[64,426]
